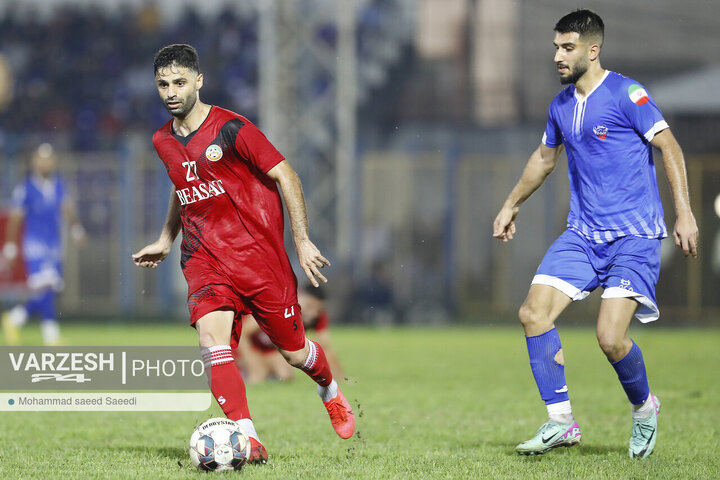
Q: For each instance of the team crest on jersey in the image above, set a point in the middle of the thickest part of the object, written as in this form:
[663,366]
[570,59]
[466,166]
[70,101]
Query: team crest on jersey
[601,131]
[214,153]
[638,95]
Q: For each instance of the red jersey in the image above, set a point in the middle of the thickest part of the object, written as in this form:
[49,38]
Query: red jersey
[231,211]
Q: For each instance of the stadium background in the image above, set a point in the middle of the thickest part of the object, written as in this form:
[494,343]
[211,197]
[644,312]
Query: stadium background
[408,122]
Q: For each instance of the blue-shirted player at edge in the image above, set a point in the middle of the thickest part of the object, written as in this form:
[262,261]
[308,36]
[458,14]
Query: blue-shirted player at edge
[608,125]
[42,202]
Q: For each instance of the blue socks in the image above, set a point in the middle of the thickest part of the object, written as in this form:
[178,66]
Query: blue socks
[631,373]
[42,305]
[549,375]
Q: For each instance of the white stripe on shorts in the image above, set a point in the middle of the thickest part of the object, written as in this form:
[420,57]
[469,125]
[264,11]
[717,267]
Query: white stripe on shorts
[648,311]
[565,287]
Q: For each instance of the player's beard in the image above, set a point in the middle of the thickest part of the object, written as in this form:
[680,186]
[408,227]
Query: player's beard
[186,105]
[576,72]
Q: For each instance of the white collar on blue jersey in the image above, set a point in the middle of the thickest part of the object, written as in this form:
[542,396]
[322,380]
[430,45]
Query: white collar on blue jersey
[580,98]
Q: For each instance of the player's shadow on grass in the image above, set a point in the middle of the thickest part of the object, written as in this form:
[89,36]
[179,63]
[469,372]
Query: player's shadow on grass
[581,450]
[171,453]
[602,449]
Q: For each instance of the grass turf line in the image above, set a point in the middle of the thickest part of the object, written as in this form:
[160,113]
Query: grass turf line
[430,403]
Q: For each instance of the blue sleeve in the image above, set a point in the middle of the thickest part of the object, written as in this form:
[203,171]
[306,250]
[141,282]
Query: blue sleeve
[552,137]
[642,113]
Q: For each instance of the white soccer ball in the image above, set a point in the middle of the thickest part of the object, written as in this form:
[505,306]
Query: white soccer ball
[218,445]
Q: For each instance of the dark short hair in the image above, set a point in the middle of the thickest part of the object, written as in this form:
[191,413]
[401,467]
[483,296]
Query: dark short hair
[583,22]
[317,292]
[180,54]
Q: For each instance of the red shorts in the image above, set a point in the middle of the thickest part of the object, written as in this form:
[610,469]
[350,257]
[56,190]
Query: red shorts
[283,325]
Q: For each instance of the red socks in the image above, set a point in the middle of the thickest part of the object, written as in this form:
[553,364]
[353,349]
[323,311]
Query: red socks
[226,382]
[228,387]
[317,366]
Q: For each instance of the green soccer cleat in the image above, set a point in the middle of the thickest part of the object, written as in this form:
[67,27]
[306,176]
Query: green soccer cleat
[644,432]
[551,435]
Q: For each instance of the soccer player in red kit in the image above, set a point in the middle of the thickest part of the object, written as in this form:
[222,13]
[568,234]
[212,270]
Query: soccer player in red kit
[225,198]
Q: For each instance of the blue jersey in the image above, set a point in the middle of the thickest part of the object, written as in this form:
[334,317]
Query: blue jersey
[41,202]
[607,134]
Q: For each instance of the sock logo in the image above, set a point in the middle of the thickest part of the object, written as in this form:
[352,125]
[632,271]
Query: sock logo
[562,390]
[221,400]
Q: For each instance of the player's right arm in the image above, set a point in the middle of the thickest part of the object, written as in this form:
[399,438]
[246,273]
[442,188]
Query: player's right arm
[541,163]
[151,255]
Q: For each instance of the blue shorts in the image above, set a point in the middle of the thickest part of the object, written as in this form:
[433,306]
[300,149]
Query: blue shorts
[627,267]
[43,265]
[44,275]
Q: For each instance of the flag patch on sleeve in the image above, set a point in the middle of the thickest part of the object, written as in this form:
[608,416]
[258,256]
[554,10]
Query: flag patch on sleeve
[638,95]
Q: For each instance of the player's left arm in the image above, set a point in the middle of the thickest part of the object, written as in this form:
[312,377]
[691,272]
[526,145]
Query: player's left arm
[311,260]
[686,229]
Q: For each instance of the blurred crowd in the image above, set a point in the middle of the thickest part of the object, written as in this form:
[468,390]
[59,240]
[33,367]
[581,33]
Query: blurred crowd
[87,72]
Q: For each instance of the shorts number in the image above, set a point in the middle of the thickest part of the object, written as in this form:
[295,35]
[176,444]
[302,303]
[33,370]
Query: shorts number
[295,326]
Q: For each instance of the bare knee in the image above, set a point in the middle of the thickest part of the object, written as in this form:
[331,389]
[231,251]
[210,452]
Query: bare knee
[534,321]
[214,328]
[613,346]
[296,358]
[208,339]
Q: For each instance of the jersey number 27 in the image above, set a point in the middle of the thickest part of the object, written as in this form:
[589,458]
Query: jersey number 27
[191,170]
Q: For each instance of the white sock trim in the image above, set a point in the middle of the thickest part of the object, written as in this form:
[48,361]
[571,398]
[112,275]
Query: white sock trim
[218,348]
[217,355]
[312,356]
[50,330]
[644,410]
[247,426]
[329,392]
[18,316]
[560,408]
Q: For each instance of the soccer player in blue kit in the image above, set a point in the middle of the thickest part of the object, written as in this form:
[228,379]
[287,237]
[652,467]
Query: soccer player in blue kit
[42,202]
[608,125]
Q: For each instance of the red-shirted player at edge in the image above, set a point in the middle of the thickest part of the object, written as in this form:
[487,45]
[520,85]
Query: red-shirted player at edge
[225,197]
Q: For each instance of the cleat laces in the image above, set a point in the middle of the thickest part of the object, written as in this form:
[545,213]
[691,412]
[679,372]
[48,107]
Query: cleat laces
[337,412]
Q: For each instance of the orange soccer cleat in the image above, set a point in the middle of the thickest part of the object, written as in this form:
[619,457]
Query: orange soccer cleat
[258,454]
[341,415]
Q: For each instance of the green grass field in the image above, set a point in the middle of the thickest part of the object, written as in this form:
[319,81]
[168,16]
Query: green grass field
[430,403]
